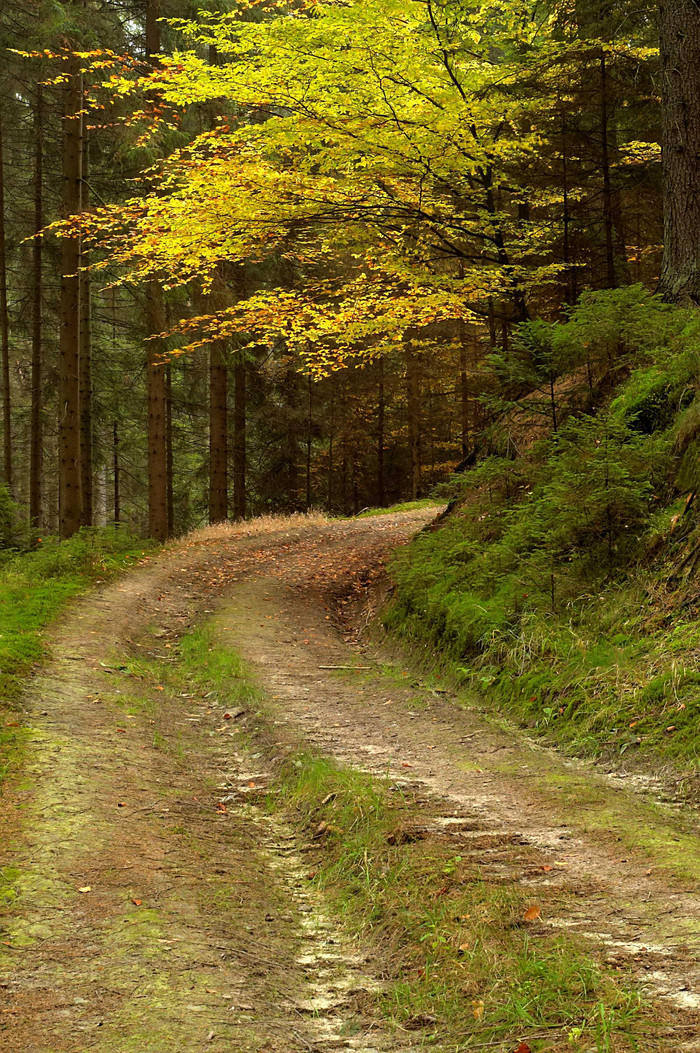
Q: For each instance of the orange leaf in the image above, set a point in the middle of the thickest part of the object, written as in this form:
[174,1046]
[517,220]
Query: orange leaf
[136,902]
[532,913]
[523,1048]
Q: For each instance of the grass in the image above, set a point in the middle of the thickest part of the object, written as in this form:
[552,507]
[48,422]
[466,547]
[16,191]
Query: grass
[613,675]
[35,588]
[402,506]
[457,960]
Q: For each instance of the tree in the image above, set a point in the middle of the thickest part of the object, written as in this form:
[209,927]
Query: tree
[679,30]
[70,500]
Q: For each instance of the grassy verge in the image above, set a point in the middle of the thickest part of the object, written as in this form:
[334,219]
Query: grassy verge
[460,959]
[34,589]
[403,506]
[613,676]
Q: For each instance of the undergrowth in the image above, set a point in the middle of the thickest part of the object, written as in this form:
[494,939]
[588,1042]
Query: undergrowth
[562,585]
[35,587]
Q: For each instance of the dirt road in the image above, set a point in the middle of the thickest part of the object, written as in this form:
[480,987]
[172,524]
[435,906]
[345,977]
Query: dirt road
[141,917]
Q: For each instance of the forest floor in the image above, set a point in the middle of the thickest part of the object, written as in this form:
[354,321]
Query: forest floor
[154,900]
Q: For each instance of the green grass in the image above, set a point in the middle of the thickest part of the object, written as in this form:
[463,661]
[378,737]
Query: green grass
[403,506]
[612,675]
[35,588]
[457,957]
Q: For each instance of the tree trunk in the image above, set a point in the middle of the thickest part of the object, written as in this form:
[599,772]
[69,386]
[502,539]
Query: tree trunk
[239,437]
[157,453]
[309,439]
[69,500]
[381,413]
[5,326]
[611,280]
[218,435]
[464,394]
[414,428]
[36,423]
[85,352]
[155,368]
[169,446]
[679,29]
[115,463]
[152,30]
[331,440]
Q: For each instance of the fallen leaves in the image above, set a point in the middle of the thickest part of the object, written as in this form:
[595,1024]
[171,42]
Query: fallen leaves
[85,888]
[137,902]
[522,1048]
[532,913]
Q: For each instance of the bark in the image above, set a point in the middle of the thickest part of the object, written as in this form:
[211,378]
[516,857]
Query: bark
[381,414]
[36,421]
[568,289]
[679,30]
[152,30]
[464,395]
[331,440]
[5,326]
[85,352]
[309,439]
[218,435]
[611,279]
[115,465]
[157,452]
[169,446]
[69,494]
[239,438]
[155,368]
[414,422]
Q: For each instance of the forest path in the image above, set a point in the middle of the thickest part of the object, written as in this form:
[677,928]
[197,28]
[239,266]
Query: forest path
[188,936]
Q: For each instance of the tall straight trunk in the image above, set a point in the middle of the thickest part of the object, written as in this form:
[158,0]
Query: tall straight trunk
[617,269]
[679,29]
[331,440]
[492,323]
[4,325]
[381,414]
[115,465]
[85,350]
[309,437]
[414,422]
[239,437]
[155,366]
[568,290]
[36,422]
[345,478]
[611,279]
[218,434]
[152,30]
[169,447]
[69,494]
[463,394]
[157,453]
